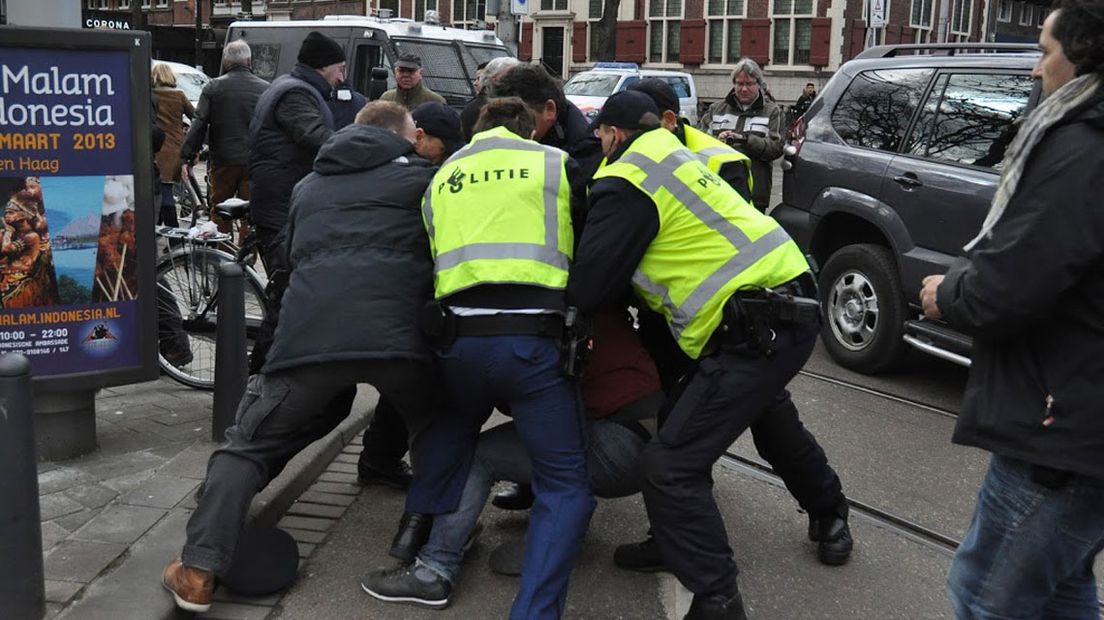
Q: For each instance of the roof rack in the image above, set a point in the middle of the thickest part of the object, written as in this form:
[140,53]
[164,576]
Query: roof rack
[945,49]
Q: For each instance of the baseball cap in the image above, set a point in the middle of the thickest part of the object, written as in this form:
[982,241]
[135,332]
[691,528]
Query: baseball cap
[408,61]
[661,93]
[628,109]
[439,121]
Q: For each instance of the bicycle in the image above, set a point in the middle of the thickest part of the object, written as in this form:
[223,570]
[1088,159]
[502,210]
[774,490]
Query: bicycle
[187,296]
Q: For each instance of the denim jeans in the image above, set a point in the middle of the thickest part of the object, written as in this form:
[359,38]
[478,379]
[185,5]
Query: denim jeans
[1029,551]
[522,372]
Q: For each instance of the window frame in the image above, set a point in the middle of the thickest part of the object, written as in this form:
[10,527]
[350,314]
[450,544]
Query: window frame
[969,15]
[1027,14]
[668,23]
[425,7]
[793,18]
[468,20]
[909,124]
[1040,16]
[1004,17]
[725,21]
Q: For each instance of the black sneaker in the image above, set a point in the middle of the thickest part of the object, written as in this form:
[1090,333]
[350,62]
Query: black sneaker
[397,476]
[515,497]
[410,584]
[641,557]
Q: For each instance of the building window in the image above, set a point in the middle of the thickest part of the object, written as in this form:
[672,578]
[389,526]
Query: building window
[594,14]
[962,14]
[793,32]
[553,5]
[124,4]
[467,12]
[1027,14]
[1004,11]
[163,3]
[664,28]
[725,28]
[1040,16]
[145,4]
[420,8]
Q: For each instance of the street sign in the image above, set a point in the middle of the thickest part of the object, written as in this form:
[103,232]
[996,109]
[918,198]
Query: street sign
[519,7]
[877,13]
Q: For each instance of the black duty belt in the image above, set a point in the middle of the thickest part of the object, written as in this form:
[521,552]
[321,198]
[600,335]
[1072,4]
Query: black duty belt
[505,324]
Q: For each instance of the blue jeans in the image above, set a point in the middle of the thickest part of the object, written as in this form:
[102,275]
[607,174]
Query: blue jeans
[1029,551]
[522,372]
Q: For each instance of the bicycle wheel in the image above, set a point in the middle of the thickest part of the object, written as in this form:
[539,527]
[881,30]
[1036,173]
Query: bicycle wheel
[187,312]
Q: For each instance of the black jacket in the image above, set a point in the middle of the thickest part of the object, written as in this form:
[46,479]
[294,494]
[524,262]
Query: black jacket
[359,255]
[225,108]
[573,135]
[761,124]
[291,122]
[1032,296]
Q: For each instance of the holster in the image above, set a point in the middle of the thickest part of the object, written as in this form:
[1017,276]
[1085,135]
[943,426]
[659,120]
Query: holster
[749,318]
[438,324]
[576,343]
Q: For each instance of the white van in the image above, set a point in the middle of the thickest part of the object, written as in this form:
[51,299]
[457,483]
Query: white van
[449,55]
[590,89]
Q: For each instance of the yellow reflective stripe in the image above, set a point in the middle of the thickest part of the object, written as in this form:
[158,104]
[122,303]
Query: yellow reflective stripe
[502,251]
[662,175]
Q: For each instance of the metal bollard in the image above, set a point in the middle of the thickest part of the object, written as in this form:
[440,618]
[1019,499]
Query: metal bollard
[22,589]
[231,365]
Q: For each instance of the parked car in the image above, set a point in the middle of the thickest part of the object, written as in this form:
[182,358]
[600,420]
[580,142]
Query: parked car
[889,173]
[589,90]
[188,79]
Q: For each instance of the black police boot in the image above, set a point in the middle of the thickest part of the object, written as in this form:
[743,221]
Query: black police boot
[396,476]
[516,497]
[832,535]
[414,529]
[641,557]
[717,607]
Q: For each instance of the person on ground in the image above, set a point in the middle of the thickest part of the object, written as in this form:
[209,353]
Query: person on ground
[335,275]
[1030,290]
[410,92]
[222,117]
[499,220]
[750,122]
[747,316]
[172,107]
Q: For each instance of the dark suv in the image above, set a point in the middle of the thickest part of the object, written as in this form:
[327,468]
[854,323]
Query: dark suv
[888,175]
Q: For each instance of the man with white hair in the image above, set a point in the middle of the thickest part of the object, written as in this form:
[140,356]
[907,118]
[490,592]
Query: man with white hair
[491,72]
[225,108]
[750,122]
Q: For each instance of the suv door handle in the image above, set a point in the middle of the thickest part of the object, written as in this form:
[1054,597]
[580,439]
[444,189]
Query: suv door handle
[907,181]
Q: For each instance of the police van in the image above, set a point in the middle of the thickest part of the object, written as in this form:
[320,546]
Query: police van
[449,55]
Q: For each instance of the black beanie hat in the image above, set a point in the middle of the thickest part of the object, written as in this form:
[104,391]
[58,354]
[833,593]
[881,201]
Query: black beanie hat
[319,51]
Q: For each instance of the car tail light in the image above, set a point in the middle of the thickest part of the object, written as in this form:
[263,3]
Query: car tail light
[796,134]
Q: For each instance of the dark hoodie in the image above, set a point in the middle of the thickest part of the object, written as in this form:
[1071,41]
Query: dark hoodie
[359,255]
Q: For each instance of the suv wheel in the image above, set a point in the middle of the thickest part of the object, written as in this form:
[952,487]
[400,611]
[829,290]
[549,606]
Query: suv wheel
[864,308]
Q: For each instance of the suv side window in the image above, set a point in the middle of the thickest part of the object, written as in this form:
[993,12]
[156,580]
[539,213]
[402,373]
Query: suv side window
[970,118]
[876,109]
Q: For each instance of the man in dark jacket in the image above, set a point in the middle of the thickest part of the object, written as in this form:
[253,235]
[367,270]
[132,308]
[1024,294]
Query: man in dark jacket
[1031,292]
[749,121]
[559,122]
[225,108]
[358,259]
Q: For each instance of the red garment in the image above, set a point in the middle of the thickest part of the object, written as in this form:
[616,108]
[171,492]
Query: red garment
[620,370]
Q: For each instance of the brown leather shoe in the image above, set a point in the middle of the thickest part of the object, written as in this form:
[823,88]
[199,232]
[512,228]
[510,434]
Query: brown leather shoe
[191,587]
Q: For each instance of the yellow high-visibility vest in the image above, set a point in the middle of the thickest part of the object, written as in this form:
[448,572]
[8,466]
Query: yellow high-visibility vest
[715,153]
[499,212]
[711,242]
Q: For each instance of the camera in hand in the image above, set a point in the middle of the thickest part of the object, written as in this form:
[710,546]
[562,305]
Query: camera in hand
[736,139]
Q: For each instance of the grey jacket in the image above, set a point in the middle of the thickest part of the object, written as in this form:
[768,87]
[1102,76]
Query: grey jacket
[359,254]
[225,109]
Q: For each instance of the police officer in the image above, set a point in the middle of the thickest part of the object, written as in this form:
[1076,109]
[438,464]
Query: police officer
[742,307]
[498,215]
[724,161]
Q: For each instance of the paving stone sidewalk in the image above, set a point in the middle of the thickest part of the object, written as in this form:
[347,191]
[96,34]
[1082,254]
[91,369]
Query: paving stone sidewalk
[113,516]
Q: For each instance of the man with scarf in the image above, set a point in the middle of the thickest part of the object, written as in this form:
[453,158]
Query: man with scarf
[1031,292]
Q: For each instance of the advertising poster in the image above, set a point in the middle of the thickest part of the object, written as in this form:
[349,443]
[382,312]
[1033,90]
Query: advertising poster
[68,260]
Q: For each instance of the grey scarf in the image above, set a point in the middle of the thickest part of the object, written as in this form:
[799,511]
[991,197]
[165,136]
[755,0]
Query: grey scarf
[1050,112]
